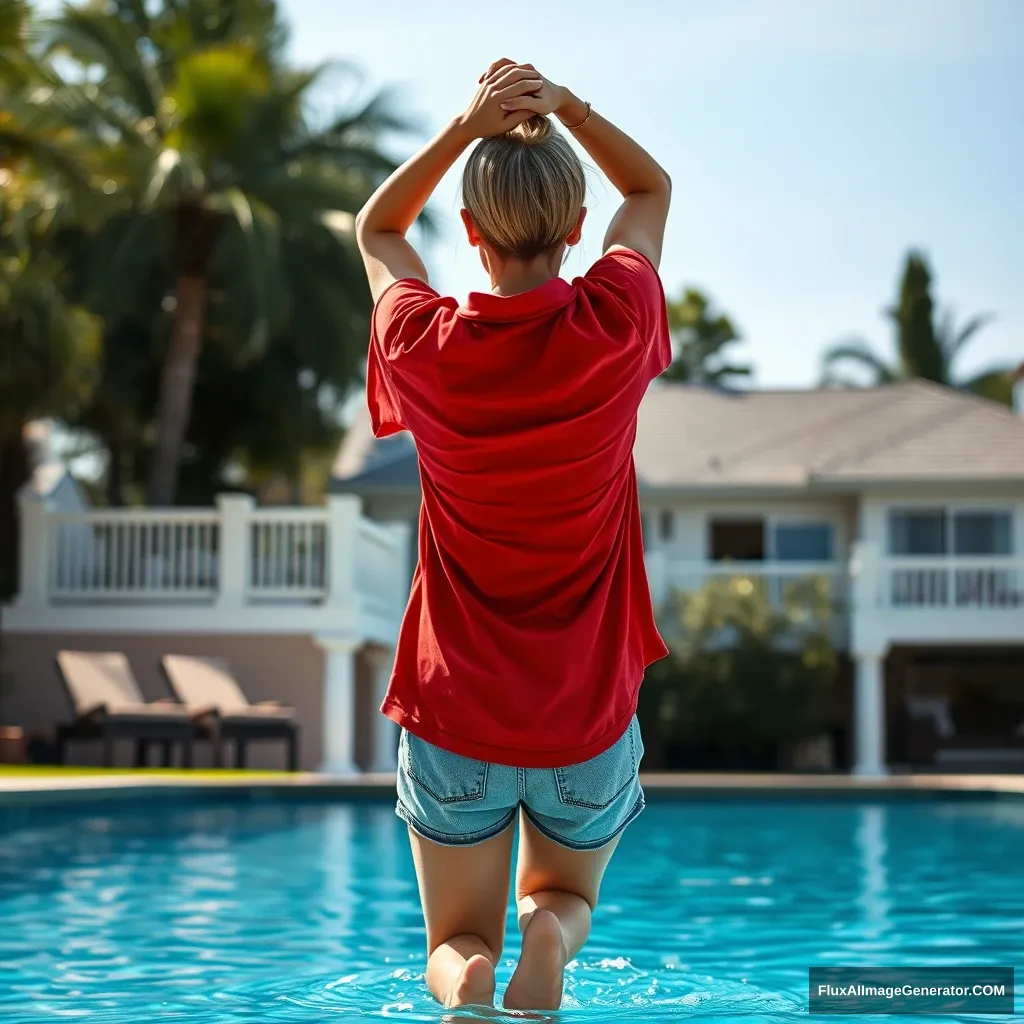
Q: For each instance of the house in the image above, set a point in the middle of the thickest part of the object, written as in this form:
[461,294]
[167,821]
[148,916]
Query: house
[910,497]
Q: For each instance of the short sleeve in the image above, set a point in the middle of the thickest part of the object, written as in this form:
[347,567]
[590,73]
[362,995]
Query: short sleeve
[633,281]
[401,322]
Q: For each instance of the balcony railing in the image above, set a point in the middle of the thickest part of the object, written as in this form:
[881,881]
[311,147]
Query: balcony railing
[288,554]
[992,582]
[235,554]
[137,554]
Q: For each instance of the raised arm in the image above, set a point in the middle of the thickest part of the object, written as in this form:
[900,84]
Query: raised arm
[639,223]
[381,225]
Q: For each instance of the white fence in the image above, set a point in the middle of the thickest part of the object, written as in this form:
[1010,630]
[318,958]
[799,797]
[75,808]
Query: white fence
[137,554]
[234,554]
[288,554]
[991,582]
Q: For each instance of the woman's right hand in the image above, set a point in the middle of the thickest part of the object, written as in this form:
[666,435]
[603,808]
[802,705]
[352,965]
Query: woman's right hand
[503,81]
[544,98]
[510,94]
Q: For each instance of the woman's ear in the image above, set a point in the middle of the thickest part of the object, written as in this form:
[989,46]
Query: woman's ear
[471,232]
[577,231]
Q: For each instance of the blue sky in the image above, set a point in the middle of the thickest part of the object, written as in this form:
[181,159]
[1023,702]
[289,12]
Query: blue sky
[810,142]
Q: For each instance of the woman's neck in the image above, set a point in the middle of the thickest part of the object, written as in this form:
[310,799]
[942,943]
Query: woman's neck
[516,276]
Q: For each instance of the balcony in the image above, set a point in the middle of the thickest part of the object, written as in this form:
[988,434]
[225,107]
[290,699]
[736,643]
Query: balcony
[231,568]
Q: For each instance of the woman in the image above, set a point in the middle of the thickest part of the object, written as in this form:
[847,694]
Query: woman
[529,624]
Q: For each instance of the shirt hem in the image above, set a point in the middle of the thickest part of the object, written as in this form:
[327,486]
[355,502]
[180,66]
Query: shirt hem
[513,757]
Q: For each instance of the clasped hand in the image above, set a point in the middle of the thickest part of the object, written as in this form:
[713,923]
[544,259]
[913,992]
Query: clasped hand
[508,95]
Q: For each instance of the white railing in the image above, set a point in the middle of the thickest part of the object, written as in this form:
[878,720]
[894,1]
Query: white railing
[991,582]
[378,548]
[288,553]
[134,554]
[232,557]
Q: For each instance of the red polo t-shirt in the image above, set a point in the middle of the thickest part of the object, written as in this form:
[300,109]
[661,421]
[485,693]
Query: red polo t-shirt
[529,623]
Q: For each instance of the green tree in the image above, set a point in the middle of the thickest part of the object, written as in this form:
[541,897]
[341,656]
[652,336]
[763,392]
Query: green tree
[49,348]
[700,335]
[48,345]
[927,344]
[749,670]
[220,180]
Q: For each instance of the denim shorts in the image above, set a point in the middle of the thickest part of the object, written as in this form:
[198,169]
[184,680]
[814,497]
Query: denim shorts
[458,801]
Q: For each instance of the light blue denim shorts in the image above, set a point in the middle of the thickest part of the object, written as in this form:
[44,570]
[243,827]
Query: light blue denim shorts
[458,801]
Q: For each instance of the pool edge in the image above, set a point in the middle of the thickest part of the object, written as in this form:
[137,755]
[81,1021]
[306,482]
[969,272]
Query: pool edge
[41,791]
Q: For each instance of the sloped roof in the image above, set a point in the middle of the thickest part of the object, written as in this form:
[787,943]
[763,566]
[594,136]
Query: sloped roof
[700,438]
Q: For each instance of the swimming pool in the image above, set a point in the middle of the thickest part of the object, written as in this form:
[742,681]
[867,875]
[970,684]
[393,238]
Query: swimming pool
[274,911]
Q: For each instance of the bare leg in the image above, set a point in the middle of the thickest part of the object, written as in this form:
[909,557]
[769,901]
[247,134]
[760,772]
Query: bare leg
[464,892]
[556,892]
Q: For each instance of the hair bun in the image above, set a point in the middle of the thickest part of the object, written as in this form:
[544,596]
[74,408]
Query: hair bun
[533,130]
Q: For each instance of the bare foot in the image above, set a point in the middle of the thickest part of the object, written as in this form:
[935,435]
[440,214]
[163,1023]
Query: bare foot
[537,981]
[475,986]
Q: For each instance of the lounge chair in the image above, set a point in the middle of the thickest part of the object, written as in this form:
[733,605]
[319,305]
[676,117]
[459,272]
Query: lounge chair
[109,705]
[221,711]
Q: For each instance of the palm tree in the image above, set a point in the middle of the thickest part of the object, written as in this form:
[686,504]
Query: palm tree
[927,345]
[699,335]
[207,149]
[49,345]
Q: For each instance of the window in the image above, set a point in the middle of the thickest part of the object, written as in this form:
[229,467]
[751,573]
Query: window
[920,532]
[982,533]
[804,542]
[935,532]
[740,540]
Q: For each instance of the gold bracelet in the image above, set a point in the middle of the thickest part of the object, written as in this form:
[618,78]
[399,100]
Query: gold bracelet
[573,127]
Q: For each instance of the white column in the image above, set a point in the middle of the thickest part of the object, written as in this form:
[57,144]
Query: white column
[868,644]
[384,732]
[234,550]
[339,707]
[34,572]
[869,715]
[343,511]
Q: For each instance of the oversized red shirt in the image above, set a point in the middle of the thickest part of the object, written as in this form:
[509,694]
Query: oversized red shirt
[529,623]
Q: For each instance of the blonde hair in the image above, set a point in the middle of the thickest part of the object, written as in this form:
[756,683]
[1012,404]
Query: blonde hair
[524,189]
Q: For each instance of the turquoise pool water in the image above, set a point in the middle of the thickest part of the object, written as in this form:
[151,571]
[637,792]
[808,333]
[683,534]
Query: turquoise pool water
[267,912]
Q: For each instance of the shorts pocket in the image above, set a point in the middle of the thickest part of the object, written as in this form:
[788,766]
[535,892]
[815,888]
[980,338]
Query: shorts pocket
[596,783]
[448,778]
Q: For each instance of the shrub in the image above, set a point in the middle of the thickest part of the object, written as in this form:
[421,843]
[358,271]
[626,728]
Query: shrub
[749,671]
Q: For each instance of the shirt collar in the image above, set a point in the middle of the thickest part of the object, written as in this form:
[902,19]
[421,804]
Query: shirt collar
[546,298]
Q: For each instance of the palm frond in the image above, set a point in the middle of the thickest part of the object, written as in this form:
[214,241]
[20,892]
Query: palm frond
[721,373]
[259,227]
[995,383]
[377,115]
[94,38]
[953,341]
[857,354]
[46,152]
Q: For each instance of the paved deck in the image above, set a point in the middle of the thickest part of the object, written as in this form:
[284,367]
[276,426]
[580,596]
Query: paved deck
[23,788]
